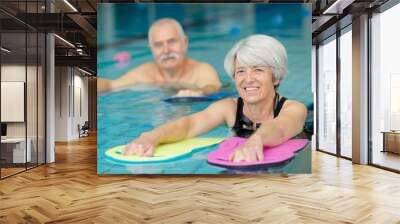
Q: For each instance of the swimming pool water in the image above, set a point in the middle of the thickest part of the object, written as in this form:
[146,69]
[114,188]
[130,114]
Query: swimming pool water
[212,30]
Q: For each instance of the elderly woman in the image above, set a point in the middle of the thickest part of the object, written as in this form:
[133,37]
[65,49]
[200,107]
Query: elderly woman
[257,64]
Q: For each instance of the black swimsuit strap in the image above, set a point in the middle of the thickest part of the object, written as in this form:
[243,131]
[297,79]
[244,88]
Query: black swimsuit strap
[239,112]
[279,105]
[242,120]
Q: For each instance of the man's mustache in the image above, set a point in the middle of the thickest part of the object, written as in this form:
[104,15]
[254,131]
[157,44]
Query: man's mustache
[171,55]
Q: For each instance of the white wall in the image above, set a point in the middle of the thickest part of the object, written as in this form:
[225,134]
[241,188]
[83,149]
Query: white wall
[33,127]
[70,83]
[61,103]
[81,82]
[12,101]
[12,73]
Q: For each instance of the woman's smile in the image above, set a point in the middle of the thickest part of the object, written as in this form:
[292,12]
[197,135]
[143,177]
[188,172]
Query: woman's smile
[251,90]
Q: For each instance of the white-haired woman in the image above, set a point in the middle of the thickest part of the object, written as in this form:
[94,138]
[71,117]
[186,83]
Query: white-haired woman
[257,64]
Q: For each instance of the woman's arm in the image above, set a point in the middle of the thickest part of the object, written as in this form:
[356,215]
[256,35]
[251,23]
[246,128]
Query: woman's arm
[286,125]
[182,128]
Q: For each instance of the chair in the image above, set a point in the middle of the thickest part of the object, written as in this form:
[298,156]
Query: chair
[84,130]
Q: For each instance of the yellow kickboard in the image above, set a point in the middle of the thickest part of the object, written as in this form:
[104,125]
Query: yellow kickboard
[165,152]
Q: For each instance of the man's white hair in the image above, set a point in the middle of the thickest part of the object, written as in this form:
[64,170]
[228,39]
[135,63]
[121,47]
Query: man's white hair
[164,21]
[258,50]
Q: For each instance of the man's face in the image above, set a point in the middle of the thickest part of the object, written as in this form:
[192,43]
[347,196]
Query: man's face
[168,47]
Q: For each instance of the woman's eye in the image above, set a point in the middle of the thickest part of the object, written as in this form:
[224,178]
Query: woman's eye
[258,70]
[240,72]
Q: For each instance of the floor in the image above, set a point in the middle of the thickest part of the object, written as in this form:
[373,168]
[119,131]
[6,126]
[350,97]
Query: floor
[70,191]
[10,171]
[388,159]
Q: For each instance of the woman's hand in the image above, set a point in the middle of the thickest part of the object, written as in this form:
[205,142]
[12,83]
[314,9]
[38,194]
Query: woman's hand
[251,151]
[142,146]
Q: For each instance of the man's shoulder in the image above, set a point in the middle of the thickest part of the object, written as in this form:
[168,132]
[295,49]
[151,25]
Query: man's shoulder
[142,73]
[148,69]
[148,66]
[201,67]
[201,64]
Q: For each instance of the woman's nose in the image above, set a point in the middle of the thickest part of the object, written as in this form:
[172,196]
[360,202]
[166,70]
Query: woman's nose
[249,76]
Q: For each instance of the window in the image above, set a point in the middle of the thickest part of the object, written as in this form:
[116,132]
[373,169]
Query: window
[385,89]
[346,93]
[327,95]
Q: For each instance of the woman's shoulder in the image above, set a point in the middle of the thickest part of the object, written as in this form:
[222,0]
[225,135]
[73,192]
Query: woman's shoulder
[293,102]
[227,108]
[226,105]
[294,105]
[227,102]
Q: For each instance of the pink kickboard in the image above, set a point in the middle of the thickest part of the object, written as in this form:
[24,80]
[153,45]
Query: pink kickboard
[276,154]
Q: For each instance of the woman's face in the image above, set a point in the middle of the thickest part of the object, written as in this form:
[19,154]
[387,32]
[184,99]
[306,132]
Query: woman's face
[254,83]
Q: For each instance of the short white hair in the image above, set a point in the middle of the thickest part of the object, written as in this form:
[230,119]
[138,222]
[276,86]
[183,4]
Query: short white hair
[163,21]
[258,50]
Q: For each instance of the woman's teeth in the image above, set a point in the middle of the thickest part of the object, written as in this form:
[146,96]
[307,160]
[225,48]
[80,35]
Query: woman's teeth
[250,88]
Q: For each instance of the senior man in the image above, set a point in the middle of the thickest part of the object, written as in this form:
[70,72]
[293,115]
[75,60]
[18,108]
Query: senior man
[171,66]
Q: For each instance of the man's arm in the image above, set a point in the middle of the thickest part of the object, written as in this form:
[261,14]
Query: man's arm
[207,79]
[133,77]
[104,85]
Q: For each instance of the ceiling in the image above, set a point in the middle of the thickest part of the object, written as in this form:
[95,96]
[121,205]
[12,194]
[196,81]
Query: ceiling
[76,22]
